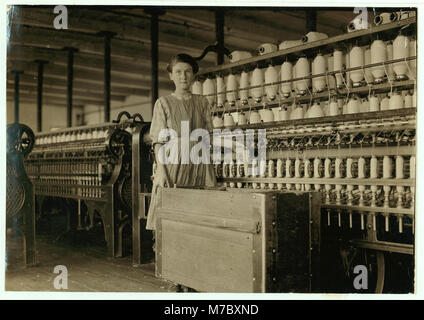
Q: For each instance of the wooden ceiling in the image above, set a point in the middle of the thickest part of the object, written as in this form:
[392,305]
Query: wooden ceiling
[33,37]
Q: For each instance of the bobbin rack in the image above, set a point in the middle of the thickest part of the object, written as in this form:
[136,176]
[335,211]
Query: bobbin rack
[346,129]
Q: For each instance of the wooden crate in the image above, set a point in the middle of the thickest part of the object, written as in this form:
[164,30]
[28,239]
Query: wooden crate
[224,241]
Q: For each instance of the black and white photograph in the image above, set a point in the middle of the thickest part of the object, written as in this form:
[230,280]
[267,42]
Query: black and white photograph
[187,150]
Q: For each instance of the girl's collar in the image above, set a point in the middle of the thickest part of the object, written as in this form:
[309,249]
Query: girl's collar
[184,96]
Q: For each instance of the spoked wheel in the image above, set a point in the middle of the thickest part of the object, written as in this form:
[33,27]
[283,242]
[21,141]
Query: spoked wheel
[118,140]
[20,138]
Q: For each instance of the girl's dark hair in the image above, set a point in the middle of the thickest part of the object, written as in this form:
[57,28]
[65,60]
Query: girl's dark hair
[182,57]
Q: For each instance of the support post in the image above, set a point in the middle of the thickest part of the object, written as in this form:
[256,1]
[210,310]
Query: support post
[40,93]
[154,37]
[219,33]
[70,80]
[107,68]
[311,20]
[17,73]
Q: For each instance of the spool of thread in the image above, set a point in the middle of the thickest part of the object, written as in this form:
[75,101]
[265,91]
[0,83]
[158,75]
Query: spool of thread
[361,168]
[241,119]
[232,86]
[332,84]
[349,163]
[396,101]
[262,168]
[308,170]
[244,83]
[356,58]
[233,172]
[319,66]
[288,168]
[266,48]
[228,120]
[315,111]
[267,115]
[334,108]
[385,103]
[289,44]
[353,106]
[347,63]
[257,80]
[413,62]
[279,168]
[271,168]
[254,117]
[225,170]
[239,55]
[307,173]
[302,69]
[240,174]
[337,66]
[378,55]
[412,167]
[271,76]
[297,113]
[197,87]
[365,105]
[220,85]
[389,67]
[400,167]
[400,51]
[327,168]
[297,163]
[217,122]
[288,173]
[255,172]
[283,115]
[209,91]
[338,165]
[367,60]
[374,168]
[317,165]
[286,73]
[383,18]
[408,100]
[271,172]
[414,99]
[387,167]
[314,36]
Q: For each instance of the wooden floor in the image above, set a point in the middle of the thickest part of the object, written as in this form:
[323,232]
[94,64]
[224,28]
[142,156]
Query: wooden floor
[89,269]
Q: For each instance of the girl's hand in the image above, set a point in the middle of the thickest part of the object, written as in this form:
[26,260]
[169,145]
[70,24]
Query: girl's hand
[163,179]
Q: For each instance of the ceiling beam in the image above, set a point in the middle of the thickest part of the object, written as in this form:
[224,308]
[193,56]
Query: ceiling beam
[89,22]
[53,100]
[88,75]
[60,82]
[83,60]
[46,102]
[80,100]
[238,32]
[32,88]
[90,44]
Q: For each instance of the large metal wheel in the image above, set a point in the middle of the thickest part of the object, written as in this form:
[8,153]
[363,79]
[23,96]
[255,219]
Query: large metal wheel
[118,141]
[20,138]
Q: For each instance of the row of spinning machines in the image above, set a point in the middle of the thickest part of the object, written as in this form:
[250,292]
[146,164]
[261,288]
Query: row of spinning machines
[92,167]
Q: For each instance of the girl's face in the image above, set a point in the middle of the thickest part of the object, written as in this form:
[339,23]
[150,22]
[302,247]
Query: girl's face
[182,76]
